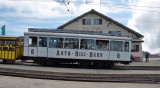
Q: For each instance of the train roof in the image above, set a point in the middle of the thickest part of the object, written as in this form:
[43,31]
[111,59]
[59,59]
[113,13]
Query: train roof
[9,37]
[74,32]
[75,35]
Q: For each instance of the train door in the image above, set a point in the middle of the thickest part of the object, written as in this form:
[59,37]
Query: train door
[42,46]
[32,46]
[127,50]
[119,50]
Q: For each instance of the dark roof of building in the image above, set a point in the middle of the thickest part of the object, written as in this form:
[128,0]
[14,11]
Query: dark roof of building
[105,17]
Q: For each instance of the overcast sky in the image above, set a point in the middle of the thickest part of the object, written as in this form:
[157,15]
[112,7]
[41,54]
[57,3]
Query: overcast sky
[142,16]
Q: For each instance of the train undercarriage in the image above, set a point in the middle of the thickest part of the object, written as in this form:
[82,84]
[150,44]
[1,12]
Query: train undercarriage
[81,63]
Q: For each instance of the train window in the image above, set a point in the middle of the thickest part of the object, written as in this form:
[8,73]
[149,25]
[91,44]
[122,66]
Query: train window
[1,43]
[7,43]
[5,48]
[33,41]
[42,41]
[87,44]
[102,44]
[20,42]
[56,42]
[11,48]
[126,46]
[71,43]
[116,46]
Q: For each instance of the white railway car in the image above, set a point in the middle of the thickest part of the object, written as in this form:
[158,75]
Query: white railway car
[47,48]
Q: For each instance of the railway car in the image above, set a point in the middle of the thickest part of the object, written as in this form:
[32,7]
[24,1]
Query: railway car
[11,48]
[49,47]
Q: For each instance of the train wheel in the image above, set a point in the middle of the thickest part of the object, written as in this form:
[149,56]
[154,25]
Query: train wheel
[42,61]
[85,64]
[4,61]
[56,63]
[100,65]
[22,59]
[109,65]
[49,63]
[10,61]
[35,61]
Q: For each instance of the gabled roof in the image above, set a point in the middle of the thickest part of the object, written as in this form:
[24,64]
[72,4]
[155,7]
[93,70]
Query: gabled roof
[103,16]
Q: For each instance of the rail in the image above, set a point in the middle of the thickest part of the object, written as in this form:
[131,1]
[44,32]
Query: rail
[127,78]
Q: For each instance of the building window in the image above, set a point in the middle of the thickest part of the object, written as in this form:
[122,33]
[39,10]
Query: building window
[86,21]
[135,48]
[114,32]
[97,21]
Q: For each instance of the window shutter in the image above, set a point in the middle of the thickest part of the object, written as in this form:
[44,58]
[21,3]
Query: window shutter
[137,47]
[83,21]
[100,21]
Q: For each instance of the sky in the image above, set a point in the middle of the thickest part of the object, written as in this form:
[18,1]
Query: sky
[140,15]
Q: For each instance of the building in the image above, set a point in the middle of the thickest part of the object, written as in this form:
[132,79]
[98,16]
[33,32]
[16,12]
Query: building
[95,21]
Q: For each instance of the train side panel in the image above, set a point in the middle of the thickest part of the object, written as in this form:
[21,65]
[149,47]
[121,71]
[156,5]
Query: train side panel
[78,54]
[119,56]
[26,42]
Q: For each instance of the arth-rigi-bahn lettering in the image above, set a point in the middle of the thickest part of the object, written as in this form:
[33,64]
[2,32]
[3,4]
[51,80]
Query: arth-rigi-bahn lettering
[77,54]
[63,53]
[92,54]
[80,53]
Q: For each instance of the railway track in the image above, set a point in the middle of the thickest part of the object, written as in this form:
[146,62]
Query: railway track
[128,78]
[137,68]
[114,68]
